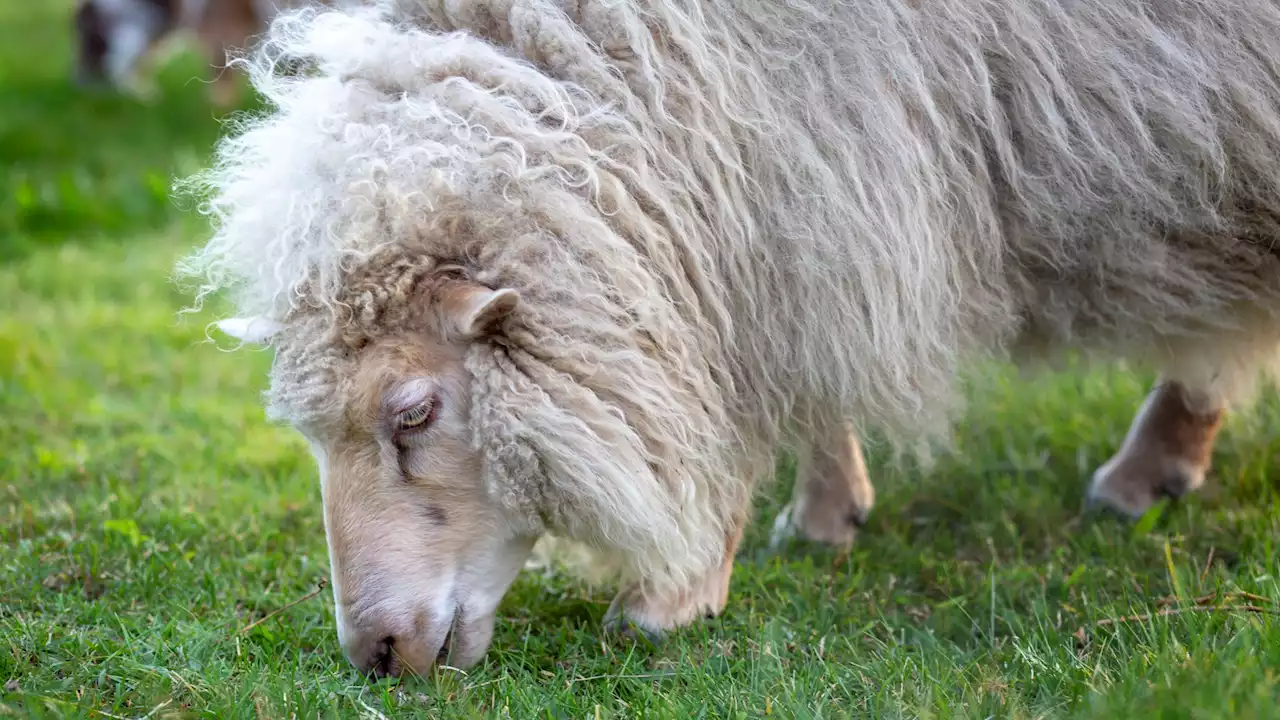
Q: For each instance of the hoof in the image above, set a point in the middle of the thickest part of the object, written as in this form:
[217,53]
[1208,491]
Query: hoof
[832,526]
[1130,488]
[784,528]
[617,621]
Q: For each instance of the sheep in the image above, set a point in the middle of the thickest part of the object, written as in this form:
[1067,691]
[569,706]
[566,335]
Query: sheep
[581,269]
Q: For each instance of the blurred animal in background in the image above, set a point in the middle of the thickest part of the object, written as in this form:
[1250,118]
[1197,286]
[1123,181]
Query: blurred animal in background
[118,39]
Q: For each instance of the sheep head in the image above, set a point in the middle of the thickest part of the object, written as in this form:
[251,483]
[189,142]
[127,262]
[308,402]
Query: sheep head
[420,553]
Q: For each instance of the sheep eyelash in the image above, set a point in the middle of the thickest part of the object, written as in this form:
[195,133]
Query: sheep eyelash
[415,417]
[411,422]
[418,417]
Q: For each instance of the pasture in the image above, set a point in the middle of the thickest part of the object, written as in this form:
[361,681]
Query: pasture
[161,544]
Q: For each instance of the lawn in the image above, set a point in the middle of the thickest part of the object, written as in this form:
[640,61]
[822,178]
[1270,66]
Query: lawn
[152,523]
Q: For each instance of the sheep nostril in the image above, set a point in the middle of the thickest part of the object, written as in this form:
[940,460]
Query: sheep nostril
[384,657]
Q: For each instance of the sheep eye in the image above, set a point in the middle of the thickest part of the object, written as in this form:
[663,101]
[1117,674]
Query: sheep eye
[416,417]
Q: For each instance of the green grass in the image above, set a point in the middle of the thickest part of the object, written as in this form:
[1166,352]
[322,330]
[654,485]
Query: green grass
[148,512]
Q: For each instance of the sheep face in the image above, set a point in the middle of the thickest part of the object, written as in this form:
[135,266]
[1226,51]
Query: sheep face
[420,554]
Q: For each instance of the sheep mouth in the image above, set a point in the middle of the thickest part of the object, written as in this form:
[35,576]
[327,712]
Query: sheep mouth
[442,655]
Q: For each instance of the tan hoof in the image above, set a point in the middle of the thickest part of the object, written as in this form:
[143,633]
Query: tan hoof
[1166,453]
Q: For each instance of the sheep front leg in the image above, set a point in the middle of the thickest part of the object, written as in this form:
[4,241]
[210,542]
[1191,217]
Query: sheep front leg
[636,609]
[833,494]
[1165,454]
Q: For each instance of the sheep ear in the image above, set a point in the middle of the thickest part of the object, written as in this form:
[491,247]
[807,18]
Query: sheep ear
[250,330]
[472,310]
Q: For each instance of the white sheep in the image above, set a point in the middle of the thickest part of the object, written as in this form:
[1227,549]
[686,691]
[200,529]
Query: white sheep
[581,268]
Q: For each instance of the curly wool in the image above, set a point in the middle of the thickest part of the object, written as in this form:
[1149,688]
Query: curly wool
[727,216]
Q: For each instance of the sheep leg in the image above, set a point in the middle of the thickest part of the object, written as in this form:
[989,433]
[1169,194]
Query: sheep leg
[833,494]
[637,611]
[1165,454]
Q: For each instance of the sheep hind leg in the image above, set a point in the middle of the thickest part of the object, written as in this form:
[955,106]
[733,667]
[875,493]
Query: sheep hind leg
[833,494]
[1166,452]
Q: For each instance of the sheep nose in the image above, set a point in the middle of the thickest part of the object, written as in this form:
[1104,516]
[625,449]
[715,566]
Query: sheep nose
[392,655]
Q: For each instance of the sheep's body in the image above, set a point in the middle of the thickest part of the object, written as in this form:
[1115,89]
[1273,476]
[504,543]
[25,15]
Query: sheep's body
[724,216]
